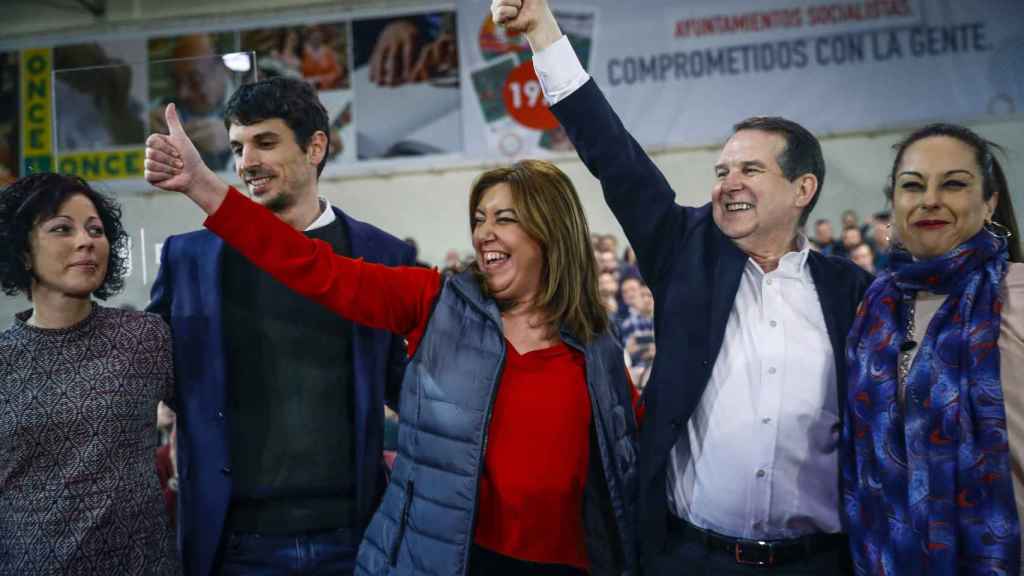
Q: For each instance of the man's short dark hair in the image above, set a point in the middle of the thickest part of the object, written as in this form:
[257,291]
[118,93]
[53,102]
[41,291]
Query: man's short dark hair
[802,154]
[36,197]
[292,100]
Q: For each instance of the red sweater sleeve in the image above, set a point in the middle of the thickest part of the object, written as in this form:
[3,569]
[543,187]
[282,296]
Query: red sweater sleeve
[638,408]
[398,299]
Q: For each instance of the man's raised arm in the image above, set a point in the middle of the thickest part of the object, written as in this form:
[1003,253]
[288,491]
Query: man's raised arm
[634,188]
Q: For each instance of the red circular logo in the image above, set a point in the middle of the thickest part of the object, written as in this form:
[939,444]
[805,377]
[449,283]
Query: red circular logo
[524,99]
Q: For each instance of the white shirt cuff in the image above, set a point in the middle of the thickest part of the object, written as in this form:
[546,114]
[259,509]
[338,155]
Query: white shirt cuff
[559,71]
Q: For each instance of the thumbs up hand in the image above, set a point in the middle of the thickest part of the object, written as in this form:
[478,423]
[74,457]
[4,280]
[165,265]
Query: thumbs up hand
[174,164]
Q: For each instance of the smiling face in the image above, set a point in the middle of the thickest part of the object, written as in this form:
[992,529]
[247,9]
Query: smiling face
[752,201]
[937,196]
[511,260]
[275,169]
[69,251]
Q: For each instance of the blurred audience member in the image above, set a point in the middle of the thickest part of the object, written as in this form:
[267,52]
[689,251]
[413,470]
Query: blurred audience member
[452,263]
[416,252]
[202,86]
[852,237]
[881,239]
[629,257]
[607,291]
[608,262]
[863,256]
[608,243]
[638,333]
[824,239]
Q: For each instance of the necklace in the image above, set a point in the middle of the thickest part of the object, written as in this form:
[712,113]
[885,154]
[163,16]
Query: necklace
[908,345]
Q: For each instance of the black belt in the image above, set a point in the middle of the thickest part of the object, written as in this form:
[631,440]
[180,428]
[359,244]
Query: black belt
[759,552]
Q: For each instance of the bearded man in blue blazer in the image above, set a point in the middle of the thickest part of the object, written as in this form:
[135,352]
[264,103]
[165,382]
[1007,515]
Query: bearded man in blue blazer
[739,470]
[279,401]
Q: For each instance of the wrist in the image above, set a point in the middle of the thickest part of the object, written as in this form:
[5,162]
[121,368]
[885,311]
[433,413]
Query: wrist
[545,33]
[208,191]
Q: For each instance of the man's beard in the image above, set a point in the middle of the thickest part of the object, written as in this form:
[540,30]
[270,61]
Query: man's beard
[280,202]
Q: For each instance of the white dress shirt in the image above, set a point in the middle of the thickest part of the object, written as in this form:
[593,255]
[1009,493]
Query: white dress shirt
[326,216]
[760,458]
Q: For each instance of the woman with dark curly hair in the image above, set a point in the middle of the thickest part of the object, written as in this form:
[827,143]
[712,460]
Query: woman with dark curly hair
[79,386]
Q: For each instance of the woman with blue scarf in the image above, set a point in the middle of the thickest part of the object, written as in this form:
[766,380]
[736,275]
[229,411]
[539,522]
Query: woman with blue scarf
[934,435]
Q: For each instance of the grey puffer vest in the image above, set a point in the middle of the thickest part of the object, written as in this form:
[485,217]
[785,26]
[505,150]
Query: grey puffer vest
[425,523]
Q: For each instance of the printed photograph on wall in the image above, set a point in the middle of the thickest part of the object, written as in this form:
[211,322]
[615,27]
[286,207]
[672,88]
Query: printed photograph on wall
[508,92]
[191,71]
[99,96]
[406,82]
[318,54]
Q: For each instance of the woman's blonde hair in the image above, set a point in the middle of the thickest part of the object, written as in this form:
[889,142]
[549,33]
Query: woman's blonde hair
[550,212]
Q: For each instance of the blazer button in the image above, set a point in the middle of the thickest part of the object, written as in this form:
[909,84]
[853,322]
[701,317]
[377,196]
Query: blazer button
[676,423]
[226,470]
[220,415]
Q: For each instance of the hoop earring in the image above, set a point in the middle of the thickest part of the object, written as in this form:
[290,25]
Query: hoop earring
[998,230]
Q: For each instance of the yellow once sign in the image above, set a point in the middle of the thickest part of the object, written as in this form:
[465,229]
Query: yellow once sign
[37,101]
[104,164]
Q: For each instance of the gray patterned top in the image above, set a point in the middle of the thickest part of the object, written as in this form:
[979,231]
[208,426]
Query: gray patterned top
[79,491]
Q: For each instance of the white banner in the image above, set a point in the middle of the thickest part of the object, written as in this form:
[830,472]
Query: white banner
[682,73]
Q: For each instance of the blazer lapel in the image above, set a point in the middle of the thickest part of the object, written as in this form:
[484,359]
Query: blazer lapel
[830,295]
[363,351]
[725,283]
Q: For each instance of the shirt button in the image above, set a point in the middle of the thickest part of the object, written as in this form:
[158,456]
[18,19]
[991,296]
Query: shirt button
[226,470]
[773,323]
[220,415]
[771,370]
[768,281]
[761,473]
[765,420]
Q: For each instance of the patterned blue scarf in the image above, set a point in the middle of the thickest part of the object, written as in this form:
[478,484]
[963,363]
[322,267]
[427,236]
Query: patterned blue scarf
[926,483]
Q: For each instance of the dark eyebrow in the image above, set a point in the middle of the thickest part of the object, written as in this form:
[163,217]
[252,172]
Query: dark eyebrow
[744,164]
[260,136]
[960,171]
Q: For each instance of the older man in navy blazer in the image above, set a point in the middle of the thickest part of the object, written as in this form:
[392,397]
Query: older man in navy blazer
[739,466]
[280,402]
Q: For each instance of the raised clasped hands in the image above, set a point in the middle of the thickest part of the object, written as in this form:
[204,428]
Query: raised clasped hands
[531,17]
[517,15]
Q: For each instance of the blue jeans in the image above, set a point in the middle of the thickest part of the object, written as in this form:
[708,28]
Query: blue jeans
[322,553]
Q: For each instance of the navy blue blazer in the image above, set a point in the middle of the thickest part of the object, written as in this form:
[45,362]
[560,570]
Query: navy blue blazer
[187,294]
[694,271]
